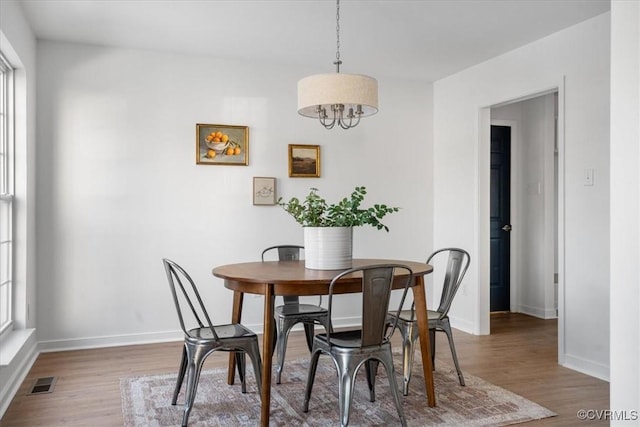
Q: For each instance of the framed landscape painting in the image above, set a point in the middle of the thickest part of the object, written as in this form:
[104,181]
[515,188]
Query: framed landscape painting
[222,145]
[304,161]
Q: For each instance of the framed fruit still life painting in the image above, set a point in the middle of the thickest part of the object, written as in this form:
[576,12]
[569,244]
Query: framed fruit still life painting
[222,145]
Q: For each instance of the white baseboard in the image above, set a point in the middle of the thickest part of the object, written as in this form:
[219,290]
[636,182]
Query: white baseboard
[540,313]
[109,341]
[586,367]
[463,325]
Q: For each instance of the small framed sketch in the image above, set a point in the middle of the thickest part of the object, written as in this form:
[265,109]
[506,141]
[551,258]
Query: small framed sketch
[222,145]
[264,190]
[304,161]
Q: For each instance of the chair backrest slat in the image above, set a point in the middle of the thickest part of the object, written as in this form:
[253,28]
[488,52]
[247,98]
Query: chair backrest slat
[285,252]
[289,253]
[377,282]
[178,278]
[457,265]
[376,290]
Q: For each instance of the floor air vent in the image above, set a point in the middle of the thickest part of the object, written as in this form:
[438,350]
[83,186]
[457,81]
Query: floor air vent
[43,385]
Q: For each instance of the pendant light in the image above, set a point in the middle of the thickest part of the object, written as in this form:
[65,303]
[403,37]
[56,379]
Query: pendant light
[338,98]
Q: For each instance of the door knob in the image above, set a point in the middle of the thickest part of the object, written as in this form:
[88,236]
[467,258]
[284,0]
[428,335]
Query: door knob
[506,227]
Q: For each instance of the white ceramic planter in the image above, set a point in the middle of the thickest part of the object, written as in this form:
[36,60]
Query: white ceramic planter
[328,248]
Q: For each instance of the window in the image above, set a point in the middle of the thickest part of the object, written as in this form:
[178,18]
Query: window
[6,193]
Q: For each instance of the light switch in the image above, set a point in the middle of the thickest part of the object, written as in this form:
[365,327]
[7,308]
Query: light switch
[588,177]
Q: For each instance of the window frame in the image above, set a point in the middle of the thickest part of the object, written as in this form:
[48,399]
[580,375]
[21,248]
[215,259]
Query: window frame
[7,193]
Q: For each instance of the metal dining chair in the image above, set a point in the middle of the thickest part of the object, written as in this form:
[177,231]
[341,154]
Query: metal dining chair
[368,345]
[292,311]
[457,265]
[203,340]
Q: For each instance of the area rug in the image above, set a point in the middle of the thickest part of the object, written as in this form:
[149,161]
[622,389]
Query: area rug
[146,401]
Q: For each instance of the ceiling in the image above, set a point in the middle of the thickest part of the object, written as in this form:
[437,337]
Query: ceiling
[426,39]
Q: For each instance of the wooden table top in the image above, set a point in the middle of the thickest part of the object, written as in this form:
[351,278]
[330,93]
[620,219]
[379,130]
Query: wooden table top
[292,278]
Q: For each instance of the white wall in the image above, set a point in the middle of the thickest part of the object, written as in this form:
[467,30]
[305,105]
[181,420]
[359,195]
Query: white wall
[625,211]
[580,55]
[532,203]
[118,187]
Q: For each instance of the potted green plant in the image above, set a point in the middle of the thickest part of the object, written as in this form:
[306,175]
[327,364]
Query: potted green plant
[328,228]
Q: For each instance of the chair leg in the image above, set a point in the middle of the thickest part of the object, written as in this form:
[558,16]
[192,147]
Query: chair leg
[254,354]
[371,367]
[313,365]
[345,389]
[275,325]
[282,332]
[196,360]
[446,327]
[274,339]
[387,361]
[432,343]
[241,365]
[309,332]
[188,402]
[180,379]
[409,333]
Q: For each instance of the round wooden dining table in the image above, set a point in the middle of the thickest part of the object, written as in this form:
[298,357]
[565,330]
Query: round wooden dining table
[274,278]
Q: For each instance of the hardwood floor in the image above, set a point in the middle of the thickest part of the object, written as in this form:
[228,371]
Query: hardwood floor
[520,355]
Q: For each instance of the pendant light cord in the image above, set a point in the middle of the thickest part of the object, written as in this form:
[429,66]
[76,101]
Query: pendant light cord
[338,61]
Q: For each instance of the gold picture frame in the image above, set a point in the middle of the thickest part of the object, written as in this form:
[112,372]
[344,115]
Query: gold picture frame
[304,161]
[222,145]
[264,190]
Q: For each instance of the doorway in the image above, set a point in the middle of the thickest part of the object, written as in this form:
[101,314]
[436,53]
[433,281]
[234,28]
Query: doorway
[523,206]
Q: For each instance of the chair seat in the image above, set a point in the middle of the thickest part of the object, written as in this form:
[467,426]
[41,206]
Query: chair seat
[298,309]
[223,331]
[405,315]
[349,339]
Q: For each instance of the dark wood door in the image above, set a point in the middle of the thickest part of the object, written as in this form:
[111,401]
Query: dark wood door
[500,228]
